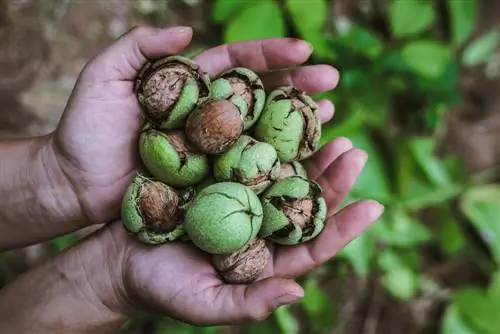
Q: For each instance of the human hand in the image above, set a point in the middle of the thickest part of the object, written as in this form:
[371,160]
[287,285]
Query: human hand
[178,280]
[96,140]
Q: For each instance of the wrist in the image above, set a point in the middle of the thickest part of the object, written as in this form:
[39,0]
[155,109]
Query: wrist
[65,200]
[74,292]
[38,202]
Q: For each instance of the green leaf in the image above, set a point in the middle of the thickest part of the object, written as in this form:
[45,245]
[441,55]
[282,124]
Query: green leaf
[373,181]
[453,323]
[481,49]
[398,228]
[410,17]
[494,287]
[478,309]
[360,253]
[481,205]
[401,282]
[451,238]
[423,151]
[318,306]
[351,124]
[286,321]
[429,59]
[362,41]
[224,9]
[261,327]
[262,19]
[308,15]
[463,17]
[309,18]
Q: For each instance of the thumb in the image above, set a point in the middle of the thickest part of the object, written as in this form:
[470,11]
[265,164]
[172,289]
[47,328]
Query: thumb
[254,302]
[123,59]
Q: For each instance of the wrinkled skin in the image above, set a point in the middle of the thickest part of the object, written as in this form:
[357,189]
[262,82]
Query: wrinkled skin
[95,145]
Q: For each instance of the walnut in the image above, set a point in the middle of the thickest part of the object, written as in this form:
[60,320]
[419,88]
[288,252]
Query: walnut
[245,265]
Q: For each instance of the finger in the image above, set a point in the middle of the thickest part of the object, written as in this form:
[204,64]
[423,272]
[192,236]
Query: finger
[259,55]
[320,161]
[338,178]
[339,231]
[325,110]
[124,58]
[238,304]
[311,79]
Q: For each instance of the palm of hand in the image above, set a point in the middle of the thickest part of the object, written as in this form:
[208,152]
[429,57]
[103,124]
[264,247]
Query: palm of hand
[96,141]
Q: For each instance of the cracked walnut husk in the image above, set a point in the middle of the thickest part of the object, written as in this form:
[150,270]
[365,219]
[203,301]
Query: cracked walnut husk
[294,211]
[170,158]
[250,162]
[152,211]
[168,89]
[290,123]
[244,88]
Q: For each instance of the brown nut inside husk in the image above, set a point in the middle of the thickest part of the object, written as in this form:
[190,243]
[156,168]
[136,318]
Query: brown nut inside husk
[169,88]
[214,126]
[245,265]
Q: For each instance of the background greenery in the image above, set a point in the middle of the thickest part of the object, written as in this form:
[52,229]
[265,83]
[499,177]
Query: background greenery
[399,78]
[435,253]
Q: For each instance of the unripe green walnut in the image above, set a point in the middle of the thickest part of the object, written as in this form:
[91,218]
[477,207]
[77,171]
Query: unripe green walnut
[151,210]
[245,265]
[168,89]
[170,158]
[223,218]
[291,169]
[252,163]
[294,211]
[244,88]
[290,123]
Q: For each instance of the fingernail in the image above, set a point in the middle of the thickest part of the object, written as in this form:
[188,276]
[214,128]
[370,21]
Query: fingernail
[310,46]
[181,30]
[288,298]
[381,207]
[361,158]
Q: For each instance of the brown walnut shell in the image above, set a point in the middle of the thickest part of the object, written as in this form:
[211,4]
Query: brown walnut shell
[214,126]
[245,265]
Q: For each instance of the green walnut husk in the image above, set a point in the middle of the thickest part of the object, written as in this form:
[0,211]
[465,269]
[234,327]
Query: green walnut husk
[244,88]
[223,218]
[249,162]
[168,89]
[170,158]
[152,211]
[290,123]
[291,169]
[294,211]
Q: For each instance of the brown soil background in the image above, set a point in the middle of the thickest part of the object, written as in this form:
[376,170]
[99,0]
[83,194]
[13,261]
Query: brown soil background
[45,44]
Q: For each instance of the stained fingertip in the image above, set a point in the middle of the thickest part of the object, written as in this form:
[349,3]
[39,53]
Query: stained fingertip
[329,78]
[303,47]
[376,209]
[360,157]
[325,110]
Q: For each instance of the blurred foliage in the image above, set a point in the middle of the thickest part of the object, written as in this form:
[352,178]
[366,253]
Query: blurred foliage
[400,76]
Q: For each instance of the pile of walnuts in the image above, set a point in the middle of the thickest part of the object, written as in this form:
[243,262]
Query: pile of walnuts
[222,165]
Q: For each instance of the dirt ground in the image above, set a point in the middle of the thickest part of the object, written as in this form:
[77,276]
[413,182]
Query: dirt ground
[46,43]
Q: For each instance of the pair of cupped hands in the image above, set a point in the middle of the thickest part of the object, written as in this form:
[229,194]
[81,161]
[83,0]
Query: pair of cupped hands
[96,147]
